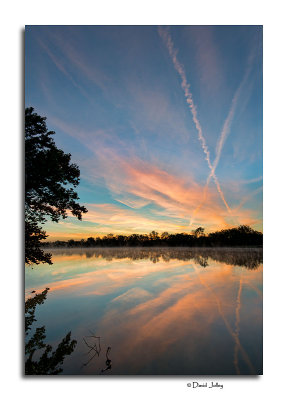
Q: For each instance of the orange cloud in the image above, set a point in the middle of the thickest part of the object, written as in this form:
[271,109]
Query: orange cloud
[137,183]
[170,198]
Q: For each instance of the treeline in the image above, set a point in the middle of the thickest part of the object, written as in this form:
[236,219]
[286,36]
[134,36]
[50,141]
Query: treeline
[241,236]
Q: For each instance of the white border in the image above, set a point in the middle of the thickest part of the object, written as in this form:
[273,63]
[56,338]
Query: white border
[15,14]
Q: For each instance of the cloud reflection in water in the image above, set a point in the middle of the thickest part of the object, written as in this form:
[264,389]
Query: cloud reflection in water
[163,311]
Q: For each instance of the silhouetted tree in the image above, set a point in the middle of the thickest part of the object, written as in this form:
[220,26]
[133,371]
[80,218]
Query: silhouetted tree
[198,232]
[49,181]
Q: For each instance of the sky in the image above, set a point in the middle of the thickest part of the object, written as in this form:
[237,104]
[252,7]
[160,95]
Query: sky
[165,123]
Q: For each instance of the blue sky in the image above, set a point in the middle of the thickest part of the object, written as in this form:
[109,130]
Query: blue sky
[165,123]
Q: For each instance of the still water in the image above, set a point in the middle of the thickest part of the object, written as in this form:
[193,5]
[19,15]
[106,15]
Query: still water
[153,311]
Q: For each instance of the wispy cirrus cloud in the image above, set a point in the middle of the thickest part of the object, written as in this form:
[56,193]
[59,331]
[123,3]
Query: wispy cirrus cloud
[60,65]
[252,180]
[114,218]
[150,198]
[249,196]
[234,214]
[138,147]
[155,199]
[85,65]
[154,112]
[137,184]
[157,209]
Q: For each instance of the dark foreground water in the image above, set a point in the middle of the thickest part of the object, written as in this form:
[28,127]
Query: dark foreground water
[153,311]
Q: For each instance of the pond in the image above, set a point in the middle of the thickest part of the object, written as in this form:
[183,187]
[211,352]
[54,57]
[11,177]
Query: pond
[152,311]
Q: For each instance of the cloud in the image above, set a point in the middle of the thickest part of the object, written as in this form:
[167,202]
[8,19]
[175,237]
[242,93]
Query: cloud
[249,196]
[174,195]
[62,69]
[93,139]
[115,219]
[153,110]
[85,65]
[252,180]
[148,198]
[165,35]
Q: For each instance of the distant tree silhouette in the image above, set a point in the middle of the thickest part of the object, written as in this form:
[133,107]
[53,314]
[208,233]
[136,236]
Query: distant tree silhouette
[153,236]
[241,236]
[198,232]
[48,171]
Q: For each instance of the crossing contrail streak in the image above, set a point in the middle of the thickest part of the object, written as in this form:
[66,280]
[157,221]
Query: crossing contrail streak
[166,37]
[227,125]
[234,334]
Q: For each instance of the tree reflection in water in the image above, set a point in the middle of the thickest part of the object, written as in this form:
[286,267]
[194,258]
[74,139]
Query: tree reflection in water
[250,258]
[46,361]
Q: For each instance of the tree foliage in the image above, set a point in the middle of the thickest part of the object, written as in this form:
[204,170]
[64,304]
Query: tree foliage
[198,232]
[50,180]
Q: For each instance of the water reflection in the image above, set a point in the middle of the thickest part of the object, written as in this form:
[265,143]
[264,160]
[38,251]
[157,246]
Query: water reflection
[39,361]
[108,361]
[250,258]
[162,311]
[95,347]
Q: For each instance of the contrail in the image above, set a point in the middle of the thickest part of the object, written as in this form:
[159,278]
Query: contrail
[227,125]
[166,37]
